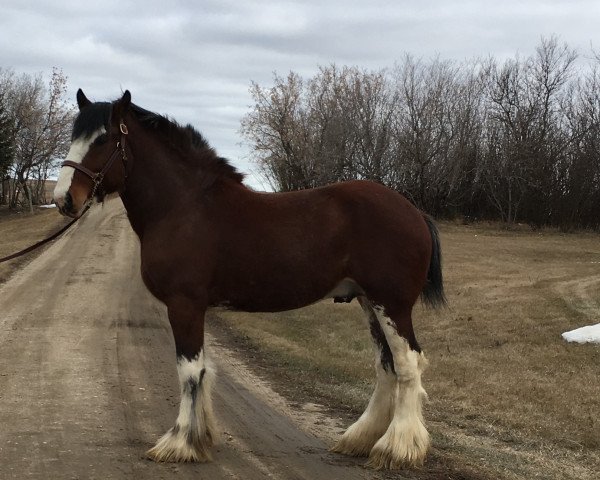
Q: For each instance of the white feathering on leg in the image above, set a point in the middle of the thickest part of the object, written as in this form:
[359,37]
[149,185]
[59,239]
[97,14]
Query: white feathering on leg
[360,437]
[195,429]
[406,441]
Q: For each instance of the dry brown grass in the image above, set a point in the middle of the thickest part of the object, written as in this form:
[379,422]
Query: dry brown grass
[509,398]
[21,229]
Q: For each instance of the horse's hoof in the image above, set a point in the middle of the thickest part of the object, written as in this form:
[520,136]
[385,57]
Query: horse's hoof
[358,440]
[404,445]
[175,446]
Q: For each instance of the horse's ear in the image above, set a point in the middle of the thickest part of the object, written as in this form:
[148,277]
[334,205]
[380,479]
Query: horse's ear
[121,106]
[82,100]
[125,101]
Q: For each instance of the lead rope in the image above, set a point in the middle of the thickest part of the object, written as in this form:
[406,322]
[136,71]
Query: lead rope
[45,240]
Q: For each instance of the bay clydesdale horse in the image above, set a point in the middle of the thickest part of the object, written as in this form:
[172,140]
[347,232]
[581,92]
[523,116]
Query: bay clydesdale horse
[208,240]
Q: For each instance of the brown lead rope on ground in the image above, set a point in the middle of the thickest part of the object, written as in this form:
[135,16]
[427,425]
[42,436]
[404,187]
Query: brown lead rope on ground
[45,240]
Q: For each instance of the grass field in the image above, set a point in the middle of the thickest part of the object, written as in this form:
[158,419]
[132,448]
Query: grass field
[508,397]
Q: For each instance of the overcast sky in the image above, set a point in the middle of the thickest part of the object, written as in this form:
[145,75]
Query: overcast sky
[195,60]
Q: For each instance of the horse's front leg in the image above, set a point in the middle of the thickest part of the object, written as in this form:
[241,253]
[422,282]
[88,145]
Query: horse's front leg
[194,431]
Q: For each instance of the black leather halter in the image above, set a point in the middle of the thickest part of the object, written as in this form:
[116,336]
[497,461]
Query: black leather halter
[98,177]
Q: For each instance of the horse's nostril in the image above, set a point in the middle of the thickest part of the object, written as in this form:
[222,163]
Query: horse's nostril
[68,202]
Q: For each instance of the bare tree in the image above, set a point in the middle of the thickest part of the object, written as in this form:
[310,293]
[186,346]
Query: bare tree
[580,201]
[6,149]
[372,107]
[525,136]
[336,126]
[274,128]
[429,130]
[41,122]
[516,141]
[350,112]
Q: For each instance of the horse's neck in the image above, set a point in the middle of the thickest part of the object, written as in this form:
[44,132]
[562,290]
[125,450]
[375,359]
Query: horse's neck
[138,220]
[152,189]
[158,186]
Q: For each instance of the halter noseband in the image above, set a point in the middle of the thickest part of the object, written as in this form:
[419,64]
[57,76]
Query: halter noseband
[98,177]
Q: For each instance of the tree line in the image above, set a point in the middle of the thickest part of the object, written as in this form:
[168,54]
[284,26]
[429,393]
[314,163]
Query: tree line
[35,128]
[517,141]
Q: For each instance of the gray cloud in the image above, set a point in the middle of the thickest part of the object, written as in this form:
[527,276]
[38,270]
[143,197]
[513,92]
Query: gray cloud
[195,60]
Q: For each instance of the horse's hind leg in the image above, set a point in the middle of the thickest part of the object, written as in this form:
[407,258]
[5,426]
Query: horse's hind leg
[360,437]
[194,431]
[406,440]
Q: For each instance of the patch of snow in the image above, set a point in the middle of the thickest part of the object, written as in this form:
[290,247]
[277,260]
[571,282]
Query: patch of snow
[589,334]
[51,205]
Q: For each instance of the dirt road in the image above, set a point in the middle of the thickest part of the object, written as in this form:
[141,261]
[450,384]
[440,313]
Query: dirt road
[88,379]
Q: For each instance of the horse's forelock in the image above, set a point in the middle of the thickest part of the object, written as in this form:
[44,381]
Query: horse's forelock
[90,119]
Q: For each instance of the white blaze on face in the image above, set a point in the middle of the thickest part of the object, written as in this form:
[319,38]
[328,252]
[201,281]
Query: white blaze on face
[79,147]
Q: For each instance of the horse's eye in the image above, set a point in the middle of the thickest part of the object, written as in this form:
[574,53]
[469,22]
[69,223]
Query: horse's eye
[100,140]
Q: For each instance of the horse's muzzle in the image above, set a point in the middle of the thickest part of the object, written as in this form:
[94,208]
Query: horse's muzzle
[65,207]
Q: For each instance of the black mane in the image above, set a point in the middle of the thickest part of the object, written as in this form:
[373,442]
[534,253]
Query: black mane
[188,140]
[184,138]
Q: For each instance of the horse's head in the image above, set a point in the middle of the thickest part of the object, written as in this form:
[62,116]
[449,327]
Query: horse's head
[96,162]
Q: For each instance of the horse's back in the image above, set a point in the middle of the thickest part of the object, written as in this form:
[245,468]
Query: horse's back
[359,208]
[354,196]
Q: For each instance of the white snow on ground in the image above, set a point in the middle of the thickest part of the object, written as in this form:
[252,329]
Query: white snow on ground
[590,334]
[52,205]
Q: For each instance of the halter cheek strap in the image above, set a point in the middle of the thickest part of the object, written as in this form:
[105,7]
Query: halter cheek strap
[98,177]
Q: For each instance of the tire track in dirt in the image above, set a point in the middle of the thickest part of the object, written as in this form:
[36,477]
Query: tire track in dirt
[88,379]
[580,293]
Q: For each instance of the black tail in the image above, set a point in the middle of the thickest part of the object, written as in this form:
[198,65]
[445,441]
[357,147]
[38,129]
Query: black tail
[433,293]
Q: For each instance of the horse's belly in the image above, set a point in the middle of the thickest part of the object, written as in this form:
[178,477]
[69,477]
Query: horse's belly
[288,296]
[267,300]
